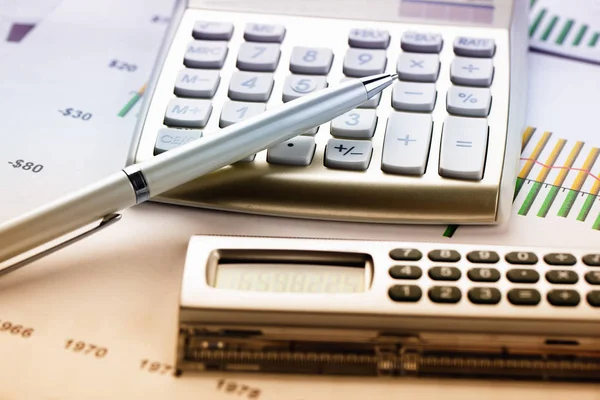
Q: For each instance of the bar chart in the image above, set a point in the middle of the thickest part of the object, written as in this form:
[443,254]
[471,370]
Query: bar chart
[558,177]
[558,27]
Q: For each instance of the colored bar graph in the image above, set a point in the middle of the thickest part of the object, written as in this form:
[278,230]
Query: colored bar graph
[530,162]
[579,181]
[541,178]
[596,225]
[594,40]
[560,180]
[136,97]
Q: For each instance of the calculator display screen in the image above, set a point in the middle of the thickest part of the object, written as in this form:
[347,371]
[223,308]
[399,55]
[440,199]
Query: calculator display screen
[292,278]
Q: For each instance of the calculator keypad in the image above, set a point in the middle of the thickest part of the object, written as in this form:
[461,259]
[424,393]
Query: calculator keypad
[523,286]
[429,128]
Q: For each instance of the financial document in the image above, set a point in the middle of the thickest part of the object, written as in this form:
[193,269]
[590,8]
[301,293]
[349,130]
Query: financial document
[98,320]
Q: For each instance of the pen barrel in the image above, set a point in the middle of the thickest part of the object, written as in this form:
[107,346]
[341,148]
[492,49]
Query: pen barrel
[235,142]
[65,215]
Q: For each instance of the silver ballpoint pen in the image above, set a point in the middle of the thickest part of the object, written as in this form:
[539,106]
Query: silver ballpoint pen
[137,183]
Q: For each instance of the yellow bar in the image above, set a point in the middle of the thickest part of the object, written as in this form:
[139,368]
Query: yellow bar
[142,90]
[550,160]
[534,155]
[596,186]
[529,131]
[560,179]
[587,165]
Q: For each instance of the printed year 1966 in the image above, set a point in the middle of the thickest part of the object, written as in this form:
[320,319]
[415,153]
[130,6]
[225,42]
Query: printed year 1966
[15,329]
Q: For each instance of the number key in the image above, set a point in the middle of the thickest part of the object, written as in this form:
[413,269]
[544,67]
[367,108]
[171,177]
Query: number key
[445,294]
[405,272]
[484,295]
[444,255]
[405,254]
[258,57]
[250,86]
[299,85]
[236,111]
[521,257]
[405,293]
[360,62]
[355,124]
[311,60]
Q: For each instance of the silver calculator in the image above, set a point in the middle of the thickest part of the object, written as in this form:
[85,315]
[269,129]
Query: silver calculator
[384,308]
[442,146]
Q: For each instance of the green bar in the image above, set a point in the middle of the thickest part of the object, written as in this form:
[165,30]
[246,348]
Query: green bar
[129,105]
[537,21]
[587,206]
[580,34]
[548,201]
[594,39]
[565,31]
[596,225]
[450,229]
[532,3]
[533,192]
[520,182]
[566,206]
[549,28]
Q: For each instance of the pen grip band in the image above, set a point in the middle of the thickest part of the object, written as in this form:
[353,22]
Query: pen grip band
[138,182]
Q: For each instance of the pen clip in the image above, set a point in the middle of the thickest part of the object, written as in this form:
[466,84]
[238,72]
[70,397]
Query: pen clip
[105,222]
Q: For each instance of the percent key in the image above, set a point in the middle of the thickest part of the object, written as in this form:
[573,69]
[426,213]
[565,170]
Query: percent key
[471,102]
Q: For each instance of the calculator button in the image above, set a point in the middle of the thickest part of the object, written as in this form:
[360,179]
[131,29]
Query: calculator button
[197,83]
[520,275]
[409,293]
[472,71]
[169,138]
[463,149]
[562,277]
[592,260]
[273,33]
[483,257]
[212,30]
[484,295]
[444,273]
[355,124]
[563,297]
[524,297]
[405,254]
[474,47]
[593,277]
[262,57]
[360,63]
[445,294]
[483,275]
[521,257]
[421,42]
[418,67]
[299,85]
[410,96]
[444,255]
[205,54]
[470,102]
[311,60]
[348,154]
[250,86]
[406,143]
[369,38]
[236,111]
[405,272]
[311,132]
[593,298]
[560,259]
[189,113]
[296,151]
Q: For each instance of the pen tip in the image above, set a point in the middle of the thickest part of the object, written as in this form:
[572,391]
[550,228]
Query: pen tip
[376,83]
